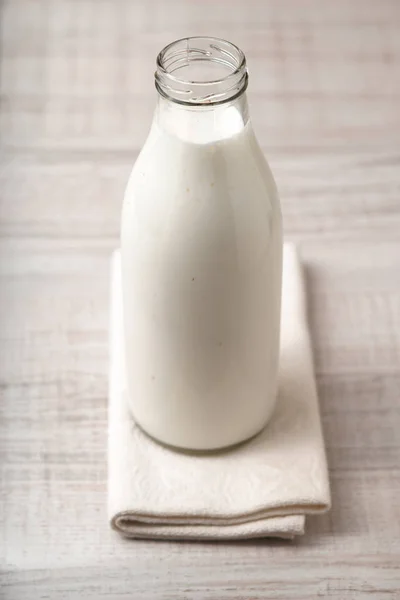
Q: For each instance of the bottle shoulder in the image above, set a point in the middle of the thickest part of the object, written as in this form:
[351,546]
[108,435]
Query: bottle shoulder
[234,169]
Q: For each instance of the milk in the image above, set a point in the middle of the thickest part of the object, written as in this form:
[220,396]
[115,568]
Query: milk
[201,272]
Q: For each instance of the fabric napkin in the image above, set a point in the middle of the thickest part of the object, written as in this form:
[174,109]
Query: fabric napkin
[264,487]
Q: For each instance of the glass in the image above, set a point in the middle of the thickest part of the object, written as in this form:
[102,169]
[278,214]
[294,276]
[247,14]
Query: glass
[201,248]
[201,70]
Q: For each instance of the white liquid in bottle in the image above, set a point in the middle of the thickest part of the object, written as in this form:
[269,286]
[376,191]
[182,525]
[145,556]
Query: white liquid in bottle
[201,275]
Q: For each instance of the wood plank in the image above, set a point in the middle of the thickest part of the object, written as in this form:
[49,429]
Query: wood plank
[340,195]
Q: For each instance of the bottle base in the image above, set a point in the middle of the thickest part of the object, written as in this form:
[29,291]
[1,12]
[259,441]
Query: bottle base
[204,448]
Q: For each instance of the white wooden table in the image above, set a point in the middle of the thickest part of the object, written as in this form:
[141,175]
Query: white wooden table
[76,101]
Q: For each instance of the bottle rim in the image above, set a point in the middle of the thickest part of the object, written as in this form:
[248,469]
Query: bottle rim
[191,91]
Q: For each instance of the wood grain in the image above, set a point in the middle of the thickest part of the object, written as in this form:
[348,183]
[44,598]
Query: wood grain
[76,100]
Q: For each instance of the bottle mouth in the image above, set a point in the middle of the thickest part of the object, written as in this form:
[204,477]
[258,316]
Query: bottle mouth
[199,71]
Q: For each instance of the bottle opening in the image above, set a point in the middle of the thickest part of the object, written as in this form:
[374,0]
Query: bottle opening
[201,70]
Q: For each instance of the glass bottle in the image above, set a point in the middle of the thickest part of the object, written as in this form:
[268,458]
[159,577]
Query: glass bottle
[201,248]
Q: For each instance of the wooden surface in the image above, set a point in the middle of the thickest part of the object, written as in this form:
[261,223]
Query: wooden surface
[76,101]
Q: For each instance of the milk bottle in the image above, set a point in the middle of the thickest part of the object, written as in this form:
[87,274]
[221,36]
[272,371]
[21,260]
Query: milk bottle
[201,248]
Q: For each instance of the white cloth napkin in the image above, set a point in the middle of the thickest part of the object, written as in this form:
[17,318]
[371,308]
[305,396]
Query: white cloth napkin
[264,487]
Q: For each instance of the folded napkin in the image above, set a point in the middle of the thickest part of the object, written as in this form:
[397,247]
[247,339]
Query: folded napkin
[264,487]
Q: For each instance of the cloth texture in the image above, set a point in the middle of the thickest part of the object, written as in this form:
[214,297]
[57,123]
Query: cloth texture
[263,487]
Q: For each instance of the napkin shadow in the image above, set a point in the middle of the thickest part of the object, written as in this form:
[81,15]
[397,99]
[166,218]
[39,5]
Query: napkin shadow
[344,515]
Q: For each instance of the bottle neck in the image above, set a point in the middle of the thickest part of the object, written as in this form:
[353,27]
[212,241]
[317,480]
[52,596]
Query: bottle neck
[201,83]
[202,124]
[200,71]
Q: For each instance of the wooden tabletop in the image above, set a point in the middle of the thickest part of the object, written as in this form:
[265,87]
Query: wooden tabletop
[77,96]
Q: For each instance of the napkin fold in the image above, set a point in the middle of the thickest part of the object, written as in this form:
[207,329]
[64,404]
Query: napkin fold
[263,487]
